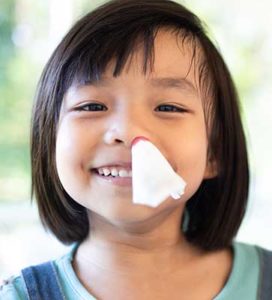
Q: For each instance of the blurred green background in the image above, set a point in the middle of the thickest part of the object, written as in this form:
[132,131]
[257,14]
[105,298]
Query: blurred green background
[29,29]
[15,92]
[29,32]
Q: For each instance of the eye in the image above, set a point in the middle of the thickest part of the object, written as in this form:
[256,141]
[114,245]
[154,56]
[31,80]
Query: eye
[171,108]
[91,107]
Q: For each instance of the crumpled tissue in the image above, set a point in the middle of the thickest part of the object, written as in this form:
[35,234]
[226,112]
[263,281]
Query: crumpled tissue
[153,178]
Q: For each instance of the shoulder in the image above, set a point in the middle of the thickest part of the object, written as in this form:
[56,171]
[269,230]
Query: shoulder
[246,264]
[247,279]
[263,262]
[246,251]
[264,255]
[13,289]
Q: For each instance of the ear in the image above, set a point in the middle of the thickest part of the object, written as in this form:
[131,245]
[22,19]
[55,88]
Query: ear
[211,170]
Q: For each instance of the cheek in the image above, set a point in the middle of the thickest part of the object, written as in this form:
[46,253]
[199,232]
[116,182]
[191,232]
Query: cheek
[68,147]
[73,156]
[192,158]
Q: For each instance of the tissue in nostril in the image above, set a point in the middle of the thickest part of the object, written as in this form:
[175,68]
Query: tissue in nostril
[153,178]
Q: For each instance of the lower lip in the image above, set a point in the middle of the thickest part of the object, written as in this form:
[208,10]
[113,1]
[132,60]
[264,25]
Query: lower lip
[118,181]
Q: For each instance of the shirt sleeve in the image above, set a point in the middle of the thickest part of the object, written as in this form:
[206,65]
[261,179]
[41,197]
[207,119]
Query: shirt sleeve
[13,289]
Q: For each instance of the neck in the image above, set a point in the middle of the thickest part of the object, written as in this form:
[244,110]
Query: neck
[153,246]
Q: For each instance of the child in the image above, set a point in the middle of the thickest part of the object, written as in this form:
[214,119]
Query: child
[130,69]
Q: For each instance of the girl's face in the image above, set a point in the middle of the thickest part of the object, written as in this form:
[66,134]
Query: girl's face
[165,106]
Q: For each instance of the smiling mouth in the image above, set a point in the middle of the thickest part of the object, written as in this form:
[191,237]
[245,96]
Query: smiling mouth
[95,172]
[124,175]
[110,180]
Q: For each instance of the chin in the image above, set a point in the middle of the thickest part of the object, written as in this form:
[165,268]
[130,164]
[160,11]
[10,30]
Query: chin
[136,217]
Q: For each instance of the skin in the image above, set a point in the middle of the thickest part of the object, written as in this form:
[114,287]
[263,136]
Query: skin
[132,246]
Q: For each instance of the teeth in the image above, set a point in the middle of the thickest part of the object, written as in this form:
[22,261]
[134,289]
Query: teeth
[104,171]
[115,172]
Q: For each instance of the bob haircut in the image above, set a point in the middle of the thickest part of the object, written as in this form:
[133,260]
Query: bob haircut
[112,32]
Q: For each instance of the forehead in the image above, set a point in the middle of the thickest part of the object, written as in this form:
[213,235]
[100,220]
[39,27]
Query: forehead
[171,57]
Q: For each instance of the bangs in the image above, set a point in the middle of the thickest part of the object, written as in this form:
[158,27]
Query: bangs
[91,59]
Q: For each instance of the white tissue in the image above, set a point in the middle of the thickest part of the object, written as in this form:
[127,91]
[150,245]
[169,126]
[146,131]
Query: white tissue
[153,178]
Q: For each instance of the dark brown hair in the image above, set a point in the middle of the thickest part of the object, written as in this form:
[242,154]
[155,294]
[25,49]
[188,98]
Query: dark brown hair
[112,31]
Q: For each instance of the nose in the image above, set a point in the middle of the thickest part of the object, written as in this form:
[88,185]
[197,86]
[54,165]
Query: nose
[122,129]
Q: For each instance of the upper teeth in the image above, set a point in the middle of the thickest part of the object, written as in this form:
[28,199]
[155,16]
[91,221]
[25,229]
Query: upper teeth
[115,172]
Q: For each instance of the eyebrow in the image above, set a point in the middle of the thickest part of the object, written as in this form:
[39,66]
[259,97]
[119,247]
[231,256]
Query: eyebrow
[173,82]
[179,83]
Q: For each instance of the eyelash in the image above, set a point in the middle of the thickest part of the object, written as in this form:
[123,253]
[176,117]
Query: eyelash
[83,108]
[176,108]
